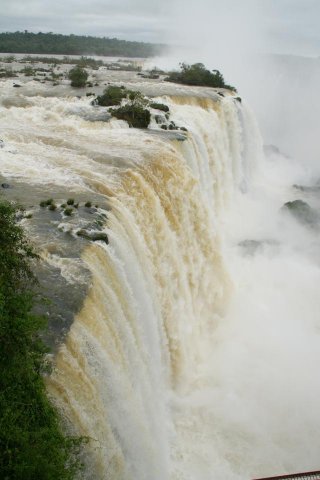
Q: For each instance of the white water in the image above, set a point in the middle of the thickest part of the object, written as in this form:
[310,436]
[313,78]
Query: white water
[189,359]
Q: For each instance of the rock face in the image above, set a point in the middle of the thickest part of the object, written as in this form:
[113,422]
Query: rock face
[93,235]
[302,212]
[251,246]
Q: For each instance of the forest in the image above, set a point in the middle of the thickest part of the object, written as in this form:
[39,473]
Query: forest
[57,44]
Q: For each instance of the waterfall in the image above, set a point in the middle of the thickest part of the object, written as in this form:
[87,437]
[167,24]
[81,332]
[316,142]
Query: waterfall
[187,348]
[148,322]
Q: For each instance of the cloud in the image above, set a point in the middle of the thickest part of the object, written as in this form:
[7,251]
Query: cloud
[288,26]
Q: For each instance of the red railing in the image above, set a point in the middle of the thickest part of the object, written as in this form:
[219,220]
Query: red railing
[302,476]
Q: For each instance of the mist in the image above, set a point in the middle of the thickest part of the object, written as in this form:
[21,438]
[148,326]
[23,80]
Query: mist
[270,52]
[262,384]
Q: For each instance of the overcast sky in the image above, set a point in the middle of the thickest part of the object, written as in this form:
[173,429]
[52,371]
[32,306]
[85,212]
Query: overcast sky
[288,26]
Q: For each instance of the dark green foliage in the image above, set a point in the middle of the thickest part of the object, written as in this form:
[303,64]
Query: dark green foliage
[28,71]
[43,203]
[32,445]
[160,106]
[78,77]
[135,115]
[7,73]
[198,75]
[27,42]
[88,204]
[68,211]
[70,201]
[49,201]
[53,207]
[111,96]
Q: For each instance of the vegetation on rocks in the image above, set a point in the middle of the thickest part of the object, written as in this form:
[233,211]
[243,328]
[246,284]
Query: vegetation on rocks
[134,111]
[111,96]
[136,115]
[78,77]
[160,106]
[198,75]
[32,444]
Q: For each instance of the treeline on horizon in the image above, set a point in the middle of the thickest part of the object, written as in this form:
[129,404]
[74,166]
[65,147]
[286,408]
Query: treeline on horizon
[58,44]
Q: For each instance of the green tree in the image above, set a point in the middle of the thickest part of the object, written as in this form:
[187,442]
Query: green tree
[198,75]
[111,96]
[78,77]
[32,444]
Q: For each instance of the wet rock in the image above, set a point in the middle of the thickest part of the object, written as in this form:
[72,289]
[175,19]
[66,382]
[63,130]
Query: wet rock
[251,247]
[16,85]
[302,212]
[308,188]
[270,150]
[93,235]
[159,119]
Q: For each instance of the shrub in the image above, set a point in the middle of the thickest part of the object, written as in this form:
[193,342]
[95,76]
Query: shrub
[7,73]
[49,201]
[68,211]
[78,77]
[111,96]
[160,106]
[28,71]
[53,207]
[198,75]
[88,204]
[43,203]
[32,444]
[135,115]
[70,201]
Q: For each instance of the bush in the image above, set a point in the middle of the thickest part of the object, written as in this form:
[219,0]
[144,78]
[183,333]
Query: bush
[198,75]
[135,115]
[88,204]
[28,71]
[68,211]
[111,97]
[7,73]
[32,445]
[78,77]
[160,106]
[70,201]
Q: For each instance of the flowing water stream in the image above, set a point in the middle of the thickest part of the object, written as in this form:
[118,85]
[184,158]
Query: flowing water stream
[191,351]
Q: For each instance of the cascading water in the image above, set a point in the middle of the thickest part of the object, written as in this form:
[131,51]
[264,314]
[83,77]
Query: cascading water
[148,321]
[146,368]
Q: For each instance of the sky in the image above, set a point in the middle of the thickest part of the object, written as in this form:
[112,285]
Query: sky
[278,26]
